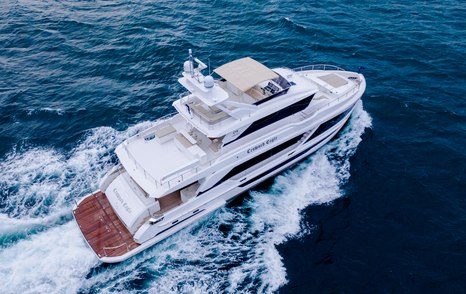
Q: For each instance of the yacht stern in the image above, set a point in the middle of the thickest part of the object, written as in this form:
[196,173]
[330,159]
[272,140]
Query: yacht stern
[103,231]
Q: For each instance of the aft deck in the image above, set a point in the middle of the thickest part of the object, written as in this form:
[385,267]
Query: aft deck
[102,228]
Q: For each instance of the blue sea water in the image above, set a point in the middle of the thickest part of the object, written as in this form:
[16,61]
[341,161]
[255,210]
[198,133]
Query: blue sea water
[382,208]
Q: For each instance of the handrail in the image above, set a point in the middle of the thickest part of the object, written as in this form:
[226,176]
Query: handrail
[335,100]
[173,180]
[115,247]
[139,166]
[184,97]
[318,67]
[166,116]
[180,177]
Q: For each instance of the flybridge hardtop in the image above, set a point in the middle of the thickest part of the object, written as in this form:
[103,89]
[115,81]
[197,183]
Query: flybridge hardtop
[228,135]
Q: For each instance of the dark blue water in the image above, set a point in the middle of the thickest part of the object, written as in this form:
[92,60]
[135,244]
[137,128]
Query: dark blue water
[380,209]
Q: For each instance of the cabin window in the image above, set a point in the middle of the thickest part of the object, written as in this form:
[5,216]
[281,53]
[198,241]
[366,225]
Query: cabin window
[328,124]
[274,117]
[259,158]
[283,163]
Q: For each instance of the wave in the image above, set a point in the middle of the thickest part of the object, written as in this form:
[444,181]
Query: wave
[57,111]
[42,251]
[36,181]
[289,22]
[55,261]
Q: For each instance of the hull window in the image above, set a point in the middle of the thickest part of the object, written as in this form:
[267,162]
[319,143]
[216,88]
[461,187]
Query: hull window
[281,164]
[328,124]
[274,117]
[253,161]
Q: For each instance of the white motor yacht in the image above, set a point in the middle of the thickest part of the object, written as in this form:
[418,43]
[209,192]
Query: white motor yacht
[227,135]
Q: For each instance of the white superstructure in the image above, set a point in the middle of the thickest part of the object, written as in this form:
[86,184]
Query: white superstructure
[228,135]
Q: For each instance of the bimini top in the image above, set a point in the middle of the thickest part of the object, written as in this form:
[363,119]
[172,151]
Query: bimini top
[245,73]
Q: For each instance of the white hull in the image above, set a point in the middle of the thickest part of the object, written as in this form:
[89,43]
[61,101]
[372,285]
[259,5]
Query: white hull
[140,203]
[222,194]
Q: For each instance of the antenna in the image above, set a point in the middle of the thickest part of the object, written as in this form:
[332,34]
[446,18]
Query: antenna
[191,62]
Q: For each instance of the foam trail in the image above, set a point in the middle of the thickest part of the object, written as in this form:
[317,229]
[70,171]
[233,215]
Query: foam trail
[41,182]
[37,189]
[55,261]
[234,249]
[12,230]
[38,186]
[277,211]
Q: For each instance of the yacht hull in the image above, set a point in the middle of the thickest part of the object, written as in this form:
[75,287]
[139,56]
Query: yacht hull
[110,240]
[194,179]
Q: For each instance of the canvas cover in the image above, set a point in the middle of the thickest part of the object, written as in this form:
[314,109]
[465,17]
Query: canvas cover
[245,73]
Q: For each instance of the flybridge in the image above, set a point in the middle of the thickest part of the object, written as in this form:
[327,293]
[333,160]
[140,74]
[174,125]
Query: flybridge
[198,84]
[214,114]
[246,91]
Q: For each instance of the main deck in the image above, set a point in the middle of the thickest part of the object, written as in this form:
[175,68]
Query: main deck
[102,228]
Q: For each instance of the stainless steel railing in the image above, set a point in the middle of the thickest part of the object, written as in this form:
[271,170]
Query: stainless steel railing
[318,67]
[115,247]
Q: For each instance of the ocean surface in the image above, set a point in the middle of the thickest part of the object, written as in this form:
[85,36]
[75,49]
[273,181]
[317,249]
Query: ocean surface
[380,209]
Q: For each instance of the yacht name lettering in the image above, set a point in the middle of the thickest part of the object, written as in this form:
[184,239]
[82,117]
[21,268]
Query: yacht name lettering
[269,141]
[125,205]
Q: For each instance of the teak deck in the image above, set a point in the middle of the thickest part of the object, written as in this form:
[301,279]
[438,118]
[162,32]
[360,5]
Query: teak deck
[102,228]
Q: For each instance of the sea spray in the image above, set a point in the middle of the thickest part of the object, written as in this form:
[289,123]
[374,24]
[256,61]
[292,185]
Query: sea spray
[41,182]
[55,261]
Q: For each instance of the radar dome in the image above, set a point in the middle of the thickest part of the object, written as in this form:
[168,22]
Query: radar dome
[187,66]
[208,82]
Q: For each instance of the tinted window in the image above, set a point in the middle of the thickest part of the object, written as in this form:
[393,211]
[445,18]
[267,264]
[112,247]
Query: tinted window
[281,164]
[274,117]
[253,161]
[328,124]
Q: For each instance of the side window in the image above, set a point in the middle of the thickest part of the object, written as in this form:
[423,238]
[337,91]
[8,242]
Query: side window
[328,124]
[253,161]
[274,117]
